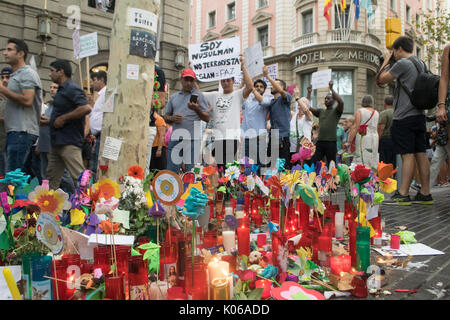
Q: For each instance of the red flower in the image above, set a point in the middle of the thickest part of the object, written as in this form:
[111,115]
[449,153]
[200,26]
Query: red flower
[18,232]
[136,172]
[247,275]
[360,173]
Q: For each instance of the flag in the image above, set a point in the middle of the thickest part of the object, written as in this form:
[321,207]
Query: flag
[326,10]
[343,5]
[367,4]
[356,3]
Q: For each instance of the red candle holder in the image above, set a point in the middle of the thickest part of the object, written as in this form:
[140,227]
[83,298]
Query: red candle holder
[210,238]
[138,278]
[275,210]
[176,293]
[115,287]
[59,270]
[261,240]
[352,241]
[266,285]
[196,287]
[243,236]
[339,264]
[73,263]
[101,259]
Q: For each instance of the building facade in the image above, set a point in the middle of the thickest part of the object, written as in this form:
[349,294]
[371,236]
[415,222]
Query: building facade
[297,37]
[19,19]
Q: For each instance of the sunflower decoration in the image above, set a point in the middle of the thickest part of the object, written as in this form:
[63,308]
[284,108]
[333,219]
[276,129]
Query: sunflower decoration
[136,172]
[107,189]
[51,201]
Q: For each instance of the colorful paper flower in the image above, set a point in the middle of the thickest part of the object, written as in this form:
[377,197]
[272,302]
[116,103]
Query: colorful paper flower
[107,189]
[302,155]
[51,201]
[156,211]
[86,178]
[360,174]
[92,224]
[385,170]
[106,207]
[231,222]
[136,172]
[108,227]
[195,203]
[388,186]
[280,164]
[77,217]
[17,178]
[232,173]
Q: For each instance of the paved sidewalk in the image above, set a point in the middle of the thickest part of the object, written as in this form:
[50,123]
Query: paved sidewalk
[430,275]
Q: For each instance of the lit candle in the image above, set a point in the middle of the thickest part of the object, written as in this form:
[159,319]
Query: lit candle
[229,240]
[339,264]
[266,286]
[217,268]
[220,289]
[243,233]
[339,225]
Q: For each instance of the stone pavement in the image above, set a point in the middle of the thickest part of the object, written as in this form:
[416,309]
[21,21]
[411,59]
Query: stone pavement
[429,275]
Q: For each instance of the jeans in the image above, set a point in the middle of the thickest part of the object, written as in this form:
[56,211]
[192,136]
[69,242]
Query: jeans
[187,151]
[439,157]
[94,157]
[2,164]
[18,147]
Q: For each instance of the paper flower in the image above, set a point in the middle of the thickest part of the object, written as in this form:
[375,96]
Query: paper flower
[209,170]
[86,178]
[108,227]
[385,170]
[232,173]
[360,174]
[343,173]
[106,207]
[280,164]
[251,183]
[77,217]
[367,195]
[302,155]
[17,178]
[92,224]
[273,227]
[231,222]
[388,186]
[378,198]
[108,188]
[136,172]
[193,205]
[156,211]
[51,201]
[269,272]
[309,169]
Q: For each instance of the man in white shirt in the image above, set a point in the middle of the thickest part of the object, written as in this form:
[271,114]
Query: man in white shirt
[99,81]
[226,116]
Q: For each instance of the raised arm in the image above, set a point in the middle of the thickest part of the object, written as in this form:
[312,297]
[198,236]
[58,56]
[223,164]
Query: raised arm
[383,76]
[247,79]
[336,97]
[306,110]
[274,84]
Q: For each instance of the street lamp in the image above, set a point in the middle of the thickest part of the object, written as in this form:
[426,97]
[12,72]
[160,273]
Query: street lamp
[180,62]
[44,32]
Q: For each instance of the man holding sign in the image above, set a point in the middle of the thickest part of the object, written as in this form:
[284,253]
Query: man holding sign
[226,116]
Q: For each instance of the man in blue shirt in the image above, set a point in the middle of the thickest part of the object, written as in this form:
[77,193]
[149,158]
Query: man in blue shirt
[67,123]
[254,131]
[280,117]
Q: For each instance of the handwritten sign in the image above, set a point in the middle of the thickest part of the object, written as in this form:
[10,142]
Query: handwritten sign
[88,45]
[133,71]
[273,72]
[321,79]
[142,19]
[216,60]
[142,44]
[112,147]
[76,43]
[254,60]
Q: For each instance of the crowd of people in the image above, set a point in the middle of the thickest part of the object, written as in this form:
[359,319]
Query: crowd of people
[58,138]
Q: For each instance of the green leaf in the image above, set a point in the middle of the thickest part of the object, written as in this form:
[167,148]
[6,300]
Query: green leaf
[256,294]
[242,296]
[238,286]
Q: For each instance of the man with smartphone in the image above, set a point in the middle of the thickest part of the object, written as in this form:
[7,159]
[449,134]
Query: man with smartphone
[185,111]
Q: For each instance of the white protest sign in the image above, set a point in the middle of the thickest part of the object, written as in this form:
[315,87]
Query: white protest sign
[216,60]
[321,79]
[76,43]
[88,45]
[273,73]
[142,19]
[111,149]
[254,60]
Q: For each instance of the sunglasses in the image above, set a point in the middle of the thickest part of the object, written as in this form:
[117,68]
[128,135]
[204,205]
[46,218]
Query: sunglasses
[5,77]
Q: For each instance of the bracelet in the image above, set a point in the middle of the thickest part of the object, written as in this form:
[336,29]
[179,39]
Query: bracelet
[440,103]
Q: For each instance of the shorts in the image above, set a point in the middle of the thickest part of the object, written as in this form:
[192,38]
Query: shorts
[408,135]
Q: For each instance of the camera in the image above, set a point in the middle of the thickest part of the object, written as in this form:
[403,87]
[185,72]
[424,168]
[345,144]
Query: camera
[391,60]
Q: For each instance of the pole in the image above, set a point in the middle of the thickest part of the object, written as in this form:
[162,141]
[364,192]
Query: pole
[132,103]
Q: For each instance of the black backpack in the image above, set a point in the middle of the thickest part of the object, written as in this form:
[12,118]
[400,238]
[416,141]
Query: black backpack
[425,93]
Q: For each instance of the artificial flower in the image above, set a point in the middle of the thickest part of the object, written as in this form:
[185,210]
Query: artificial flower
[232,172]
[280,164]
[109,227]
[156,211]
[209,170]
[108,188]
[195,203]
[388,186]
[246,275]
[385,170]
[92,224]
[17,178]
[86,178]
[360,174]
[302,155]
[77,217]
[51,201]
[136,172]
[106,207]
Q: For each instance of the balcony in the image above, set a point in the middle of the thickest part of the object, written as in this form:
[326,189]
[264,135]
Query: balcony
[306,40]
[343,36]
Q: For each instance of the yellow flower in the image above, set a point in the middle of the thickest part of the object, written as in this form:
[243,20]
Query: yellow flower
[77,217]
[108,189]
[51,201]
[389,186]
[148,196]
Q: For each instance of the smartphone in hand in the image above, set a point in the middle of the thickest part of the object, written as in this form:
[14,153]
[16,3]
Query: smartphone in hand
[194,98]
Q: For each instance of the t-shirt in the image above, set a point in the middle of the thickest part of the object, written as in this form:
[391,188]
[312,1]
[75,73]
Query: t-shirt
[328,121]
[280,115]
[386,119]
[159,122]
[226,114]
[340,137]
[405,70]
[2,125]
[191,123]
[20,118]
[68,97]
[255,117]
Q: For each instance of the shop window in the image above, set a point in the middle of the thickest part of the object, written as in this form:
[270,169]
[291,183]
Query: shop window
[231,11]
[263,35]
[307,22]
[305,80]
[104,5]
[343,85]
[341,18]
[212,19]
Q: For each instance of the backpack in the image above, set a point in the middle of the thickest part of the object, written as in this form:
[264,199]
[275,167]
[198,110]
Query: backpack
[425,92]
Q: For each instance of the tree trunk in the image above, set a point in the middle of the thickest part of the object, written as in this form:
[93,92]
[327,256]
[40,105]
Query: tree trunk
[130,120]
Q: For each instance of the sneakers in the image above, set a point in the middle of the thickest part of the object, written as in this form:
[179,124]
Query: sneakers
[421,199]
[398,199]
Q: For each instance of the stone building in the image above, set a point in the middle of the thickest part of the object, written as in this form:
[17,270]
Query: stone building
[19,19]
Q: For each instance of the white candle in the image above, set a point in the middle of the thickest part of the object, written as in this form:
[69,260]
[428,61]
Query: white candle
[339,224]
[229,240]
[239,214]
[217,269]
[158,293]
[228,211]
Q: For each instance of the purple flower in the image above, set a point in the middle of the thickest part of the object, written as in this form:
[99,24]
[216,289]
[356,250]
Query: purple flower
[92,225]
[156,211]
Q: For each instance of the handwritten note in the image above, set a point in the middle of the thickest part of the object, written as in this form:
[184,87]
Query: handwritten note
[254,60]
[111,149]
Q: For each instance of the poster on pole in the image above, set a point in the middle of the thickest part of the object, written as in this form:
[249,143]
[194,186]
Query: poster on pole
[321,79]
[142,19]
[76,43]
[142,44]
[216,60]
[254,60]
[88,45]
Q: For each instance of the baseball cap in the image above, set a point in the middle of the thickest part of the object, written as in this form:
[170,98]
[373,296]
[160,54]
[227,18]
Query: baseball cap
[188,73]
[6,70]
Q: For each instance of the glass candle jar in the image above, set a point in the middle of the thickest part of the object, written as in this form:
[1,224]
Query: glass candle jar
[138,278]
[41,287]
[59,269]
[115,287]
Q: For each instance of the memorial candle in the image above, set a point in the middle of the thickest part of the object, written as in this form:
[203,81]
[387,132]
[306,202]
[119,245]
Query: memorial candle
[217,268]
[243,234]
[266,286]
[229,240]
[339,225]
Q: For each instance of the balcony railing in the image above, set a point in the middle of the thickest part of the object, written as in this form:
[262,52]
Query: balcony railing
[306,40]
[343,36]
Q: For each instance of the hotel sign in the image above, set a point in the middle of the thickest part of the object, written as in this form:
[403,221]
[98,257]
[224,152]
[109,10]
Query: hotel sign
[338,55]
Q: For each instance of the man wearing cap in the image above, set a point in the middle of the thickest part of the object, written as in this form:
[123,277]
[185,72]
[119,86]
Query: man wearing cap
[5,74]
[23,106]
[185,111]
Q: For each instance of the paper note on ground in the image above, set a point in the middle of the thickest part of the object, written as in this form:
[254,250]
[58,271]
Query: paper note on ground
[415,249]
[112,147]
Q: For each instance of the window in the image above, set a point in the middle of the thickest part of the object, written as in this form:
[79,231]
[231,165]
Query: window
[418,52]
[341,19]
[307,22]
[393,5]
[212,19]
[262,4]
[104,5]
[231,11]
[408,14]
[305,81]
[343,85]
[263,36]
[371,83]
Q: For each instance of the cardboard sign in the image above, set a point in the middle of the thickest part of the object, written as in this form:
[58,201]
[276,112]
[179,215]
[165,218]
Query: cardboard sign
[88,45]
[254,60]
[142,19]
[216,60]
[142,44]
[321,79]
